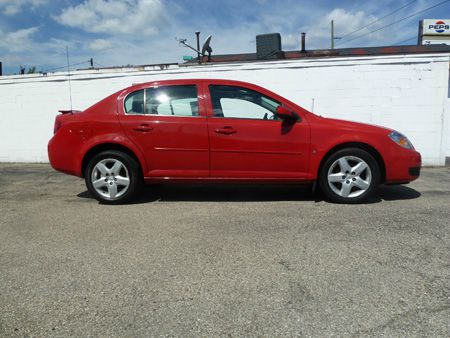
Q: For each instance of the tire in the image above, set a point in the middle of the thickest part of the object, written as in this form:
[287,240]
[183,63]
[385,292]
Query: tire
[350,175]
[113,177]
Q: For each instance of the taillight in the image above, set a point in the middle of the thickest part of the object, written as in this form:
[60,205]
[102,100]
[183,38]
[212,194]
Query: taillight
[57,125]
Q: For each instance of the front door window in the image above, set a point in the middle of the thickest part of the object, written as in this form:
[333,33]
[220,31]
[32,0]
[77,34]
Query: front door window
[243,103]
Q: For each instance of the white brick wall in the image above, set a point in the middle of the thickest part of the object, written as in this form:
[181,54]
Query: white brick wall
[407,92]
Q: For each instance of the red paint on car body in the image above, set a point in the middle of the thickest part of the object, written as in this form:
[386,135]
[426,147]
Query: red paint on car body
[209,148]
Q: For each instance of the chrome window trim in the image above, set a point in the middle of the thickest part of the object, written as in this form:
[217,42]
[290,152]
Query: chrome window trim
[245,118]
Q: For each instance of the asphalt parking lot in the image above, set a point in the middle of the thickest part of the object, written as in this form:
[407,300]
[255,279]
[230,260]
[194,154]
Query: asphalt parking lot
[222,260]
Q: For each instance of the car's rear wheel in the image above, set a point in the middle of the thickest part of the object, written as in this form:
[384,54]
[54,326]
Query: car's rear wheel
[350,175]
[113,177]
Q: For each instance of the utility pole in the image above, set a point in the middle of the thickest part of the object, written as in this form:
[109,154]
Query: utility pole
[332,35]
[68,76]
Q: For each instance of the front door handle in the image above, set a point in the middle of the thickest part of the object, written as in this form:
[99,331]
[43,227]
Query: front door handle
[225,130]
[143,128]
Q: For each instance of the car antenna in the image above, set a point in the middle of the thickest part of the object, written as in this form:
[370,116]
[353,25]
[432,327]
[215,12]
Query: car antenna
[68,74]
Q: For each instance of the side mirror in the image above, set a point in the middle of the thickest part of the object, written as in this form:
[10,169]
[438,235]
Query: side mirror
[286,114]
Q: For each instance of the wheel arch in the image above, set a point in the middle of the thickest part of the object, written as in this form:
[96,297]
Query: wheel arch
[108,146]
[364,146]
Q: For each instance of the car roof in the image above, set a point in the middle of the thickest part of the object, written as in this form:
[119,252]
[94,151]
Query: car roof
[191,81]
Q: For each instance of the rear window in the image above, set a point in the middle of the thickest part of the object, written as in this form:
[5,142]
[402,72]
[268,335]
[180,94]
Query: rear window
[134,103]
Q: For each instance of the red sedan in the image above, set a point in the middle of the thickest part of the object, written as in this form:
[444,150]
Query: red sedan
[223,131]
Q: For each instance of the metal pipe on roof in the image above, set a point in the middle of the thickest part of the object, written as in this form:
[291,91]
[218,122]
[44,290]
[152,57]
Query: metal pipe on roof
[303,50]
[197,33]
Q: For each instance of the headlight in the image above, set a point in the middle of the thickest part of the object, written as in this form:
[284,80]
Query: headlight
[401,140]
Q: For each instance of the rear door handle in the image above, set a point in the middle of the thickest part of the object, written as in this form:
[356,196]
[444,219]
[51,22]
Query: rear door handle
[143,128]
[225,130]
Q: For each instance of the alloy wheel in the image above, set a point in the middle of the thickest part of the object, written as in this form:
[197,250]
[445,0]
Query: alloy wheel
[110,178]
[349,176]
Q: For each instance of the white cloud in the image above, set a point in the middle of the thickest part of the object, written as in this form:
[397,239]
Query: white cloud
[18,41]
[345,22]
[291,41]
[21,47]
[348,22]
[12,7]
[100,44]
[143,17]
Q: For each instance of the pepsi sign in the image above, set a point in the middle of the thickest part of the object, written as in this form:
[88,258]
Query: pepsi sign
[436,27]
[440,26]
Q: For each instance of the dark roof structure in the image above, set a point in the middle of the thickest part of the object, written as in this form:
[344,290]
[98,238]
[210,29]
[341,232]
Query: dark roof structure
[341,52]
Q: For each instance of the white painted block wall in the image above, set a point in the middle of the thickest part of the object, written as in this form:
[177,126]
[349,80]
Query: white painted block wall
[409,93]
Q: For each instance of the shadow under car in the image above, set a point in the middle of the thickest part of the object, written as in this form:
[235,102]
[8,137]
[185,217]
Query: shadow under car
[210,192]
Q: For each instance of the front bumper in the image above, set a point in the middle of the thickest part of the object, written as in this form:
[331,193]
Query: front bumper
[403,166]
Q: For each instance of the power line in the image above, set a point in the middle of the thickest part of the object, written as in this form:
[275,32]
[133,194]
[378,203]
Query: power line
[396,22]
[412,37]
[65,67]
[383,17]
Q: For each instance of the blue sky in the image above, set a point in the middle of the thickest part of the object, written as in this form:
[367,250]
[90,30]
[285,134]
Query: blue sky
[121,32]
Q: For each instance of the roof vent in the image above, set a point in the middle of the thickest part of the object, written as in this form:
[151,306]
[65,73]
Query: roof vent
[268,46]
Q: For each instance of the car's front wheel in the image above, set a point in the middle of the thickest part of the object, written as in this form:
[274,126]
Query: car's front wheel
[113,177]
[349,175]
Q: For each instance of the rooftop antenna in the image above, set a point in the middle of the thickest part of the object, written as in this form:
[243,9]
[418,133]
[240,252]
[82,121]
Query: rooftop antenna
[206,46]
[68,74]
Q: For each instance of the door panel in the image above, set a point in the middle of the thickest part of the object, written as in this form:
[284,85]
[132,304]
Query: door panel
[258,145]
[174,145]
[259,149]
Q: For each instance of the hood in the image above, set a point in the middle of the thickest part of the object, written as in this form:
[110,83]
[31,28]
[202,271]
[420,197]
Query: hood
[350,125]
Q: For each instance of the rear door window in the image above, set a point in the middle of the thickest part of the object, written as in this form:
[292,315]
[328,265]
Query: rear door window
[167,100]
[172,100]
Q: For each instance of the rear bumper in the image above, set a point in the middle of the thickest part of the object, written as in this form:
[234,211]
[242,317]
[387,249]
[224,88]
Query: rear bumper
[61,154]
